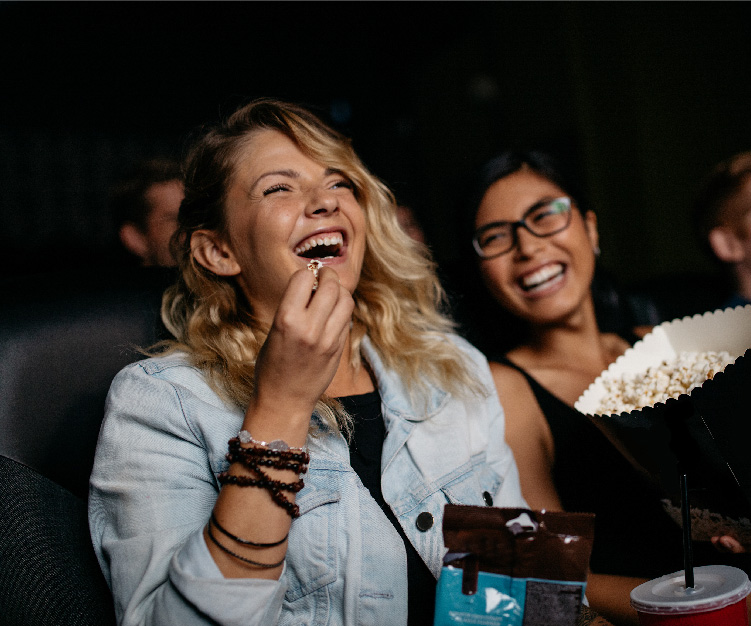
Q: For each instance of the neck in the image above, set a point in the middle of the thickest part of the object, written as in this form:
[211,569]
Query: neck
[349,380]
[576,339]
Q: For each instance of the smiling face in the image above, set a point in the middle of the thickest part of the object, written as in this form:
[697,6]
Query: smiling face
[284,209]
[542,279]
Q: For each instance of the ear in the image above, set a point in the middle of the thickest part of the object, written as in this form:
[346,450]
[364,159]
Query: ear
[726,245]
[590,224]
[134,240]
[213,253]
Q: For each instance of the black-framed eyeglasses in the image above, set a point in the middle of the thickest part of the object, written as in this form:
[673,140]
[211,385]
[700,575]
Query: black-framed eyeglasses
[542,220]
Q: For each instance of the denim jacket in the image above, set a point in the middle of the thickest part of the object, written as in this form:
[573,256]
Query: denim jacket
[163,443]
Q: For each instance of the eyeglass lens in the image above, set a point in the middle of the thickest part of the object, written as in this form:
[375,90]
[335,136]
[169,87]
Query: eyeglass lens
[541,220]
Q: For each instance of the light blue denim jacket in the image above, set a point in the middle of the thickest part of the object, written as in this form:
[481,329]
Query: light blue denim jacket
[163,443]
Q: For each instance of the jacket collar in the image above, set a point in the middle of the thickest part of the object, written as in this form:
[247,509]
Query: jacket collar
[395,396]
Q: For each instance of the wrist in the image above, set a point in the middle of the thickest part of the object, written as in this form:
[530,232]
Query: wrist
[277,422]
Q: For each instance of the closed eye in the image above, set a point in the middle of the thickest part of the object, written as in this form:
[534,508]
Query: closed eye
[543,214]
[275,188]
[343,184]
[494,235]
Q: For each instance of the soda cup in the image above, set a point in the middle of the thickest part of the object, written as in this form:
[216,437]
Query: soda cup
[718,598]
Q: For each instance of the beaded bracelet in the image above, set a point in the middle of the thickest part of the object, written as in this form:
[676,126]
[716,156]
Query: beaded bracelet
[238,556]
[277,444]
[253,458]
[287,455]
[245,542]
[253,463]
[274,492]
[225,478]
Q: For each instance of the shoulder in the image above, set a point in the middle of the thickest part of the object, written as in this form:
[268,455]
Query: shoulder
[171,371]
[166,366]
[508,378]
[166,393]
[516,396]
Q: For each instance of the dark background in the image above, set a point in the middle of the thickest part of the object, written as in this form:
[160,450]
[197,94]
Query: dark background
[641,98]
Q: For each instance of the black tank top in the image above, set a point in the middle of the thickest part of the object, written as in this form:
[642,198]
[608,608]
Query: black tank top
[633,534]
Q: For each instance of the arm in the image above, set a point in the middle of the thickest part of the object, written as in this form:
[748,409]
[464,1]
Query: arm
[528,435]
[153,488]
[295,366]
[610,596]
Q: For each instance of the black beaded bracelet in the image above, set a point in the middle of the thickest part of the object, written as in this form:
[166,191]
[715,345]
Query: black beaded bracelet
[239,556]
[290,507]
[225,478]
[245,542]
[253,463]
[287,455]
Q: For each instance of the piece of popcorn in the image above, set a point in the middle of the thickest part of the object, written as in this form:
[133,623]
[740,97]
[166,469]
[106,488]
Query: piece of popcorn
[670,379]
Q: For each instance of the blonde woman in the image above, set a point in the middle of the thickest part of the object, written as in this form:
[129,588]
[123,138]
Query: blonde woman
[286,459]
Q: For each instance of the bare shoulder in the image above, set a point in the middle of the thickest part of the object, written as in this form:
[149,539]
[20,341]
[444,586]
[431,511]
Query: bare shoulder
[509,379]
[516,396]
[528,434]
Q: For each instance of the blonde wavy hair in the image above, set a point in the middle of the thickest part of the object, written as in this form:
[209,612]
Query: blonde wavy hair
[399,302]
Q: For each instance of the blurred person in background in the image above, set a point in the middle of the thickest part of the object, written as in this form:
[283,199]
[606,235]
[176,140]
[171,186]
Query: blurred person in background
[723,217]
[145,203]
[409,223]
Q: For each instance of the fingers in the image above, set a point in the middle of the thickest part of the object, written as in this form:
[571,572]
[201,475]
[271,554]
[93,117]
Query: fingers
[299,290]
[729,544]
[305,288]
[309,333]
[331,310]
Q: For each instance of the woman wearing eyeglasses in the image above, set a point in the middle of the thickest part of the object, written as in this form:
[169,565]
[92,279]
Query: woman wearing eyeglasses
[536,247]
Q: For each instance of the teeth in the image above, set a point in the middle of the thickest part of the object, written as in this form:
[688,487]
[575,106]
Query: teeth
[541,275]
[328,240]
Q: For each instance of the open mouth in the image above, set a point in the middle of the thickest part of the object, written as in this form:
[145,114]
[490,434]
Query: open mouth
[542,278]
[325,246]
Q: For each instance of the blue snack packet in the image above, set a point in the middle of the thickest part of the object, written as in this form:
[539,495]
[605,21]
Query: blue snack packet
[513,567]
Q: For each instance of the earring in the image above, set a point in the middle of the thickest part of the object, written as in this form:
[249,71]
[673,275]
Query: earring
[596,250]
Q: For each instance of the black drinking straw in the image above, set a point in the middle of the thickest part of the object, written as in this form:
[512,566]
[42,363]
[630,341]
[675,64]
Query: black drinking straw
[688,555]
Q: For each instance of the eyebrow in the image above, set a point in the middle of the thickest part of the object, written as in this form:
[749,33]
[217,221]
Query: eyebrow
[290,174]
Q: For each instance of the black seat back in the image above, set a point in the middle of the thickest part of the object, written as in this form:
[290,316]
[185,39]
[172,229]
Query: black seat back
[48,571]
[62,340]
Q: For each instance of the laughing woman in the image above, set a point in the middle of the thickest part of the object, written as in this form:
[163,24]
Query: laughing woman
[536,246]
[309,345]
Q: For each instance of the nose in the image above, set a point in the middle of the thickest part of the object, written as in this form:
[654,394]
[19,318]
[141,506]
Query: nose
[321,202]
[525,242]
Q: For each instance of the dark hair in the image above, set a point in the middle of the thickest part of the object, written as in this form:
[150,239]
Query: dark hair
[722,183]
[128,195]
[483,320]
[541,163]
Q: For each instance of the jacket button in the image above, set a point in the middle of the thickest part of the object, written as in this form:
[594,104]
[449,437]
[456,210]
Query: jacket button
[487,498]
[424,521]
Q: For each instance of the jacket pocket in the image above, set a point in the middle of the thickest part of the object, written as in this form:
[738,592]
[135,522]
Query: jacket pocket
[312,550]
[478,486]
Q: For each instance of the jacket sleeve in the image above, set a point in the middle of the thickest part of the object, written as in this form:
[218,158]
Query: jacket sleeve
[151,493]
